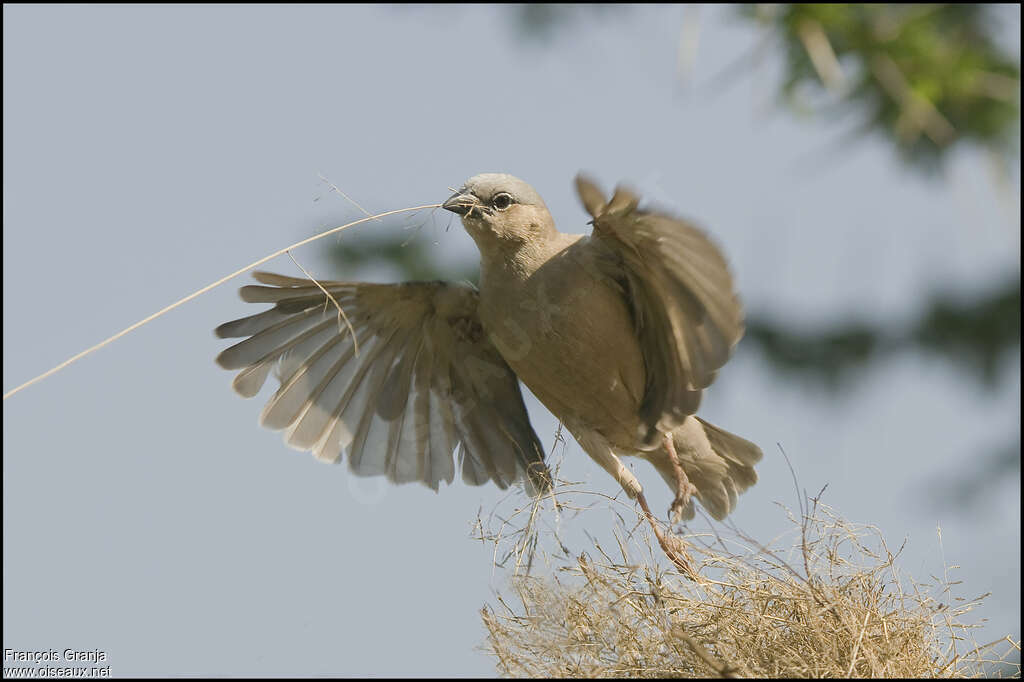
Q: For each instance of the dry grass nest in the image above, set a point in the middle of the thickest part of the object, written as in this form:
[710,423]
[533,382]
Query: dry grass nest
[832,603]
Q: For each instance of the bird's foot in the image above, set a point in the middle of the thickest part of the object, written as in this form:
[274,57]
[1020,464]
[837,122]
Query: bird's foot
[682,500]
[684,489]
[673,546]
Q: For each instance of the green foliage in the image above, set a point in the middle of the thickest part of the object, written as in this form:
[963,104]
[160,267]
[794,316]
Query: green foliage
[928,77]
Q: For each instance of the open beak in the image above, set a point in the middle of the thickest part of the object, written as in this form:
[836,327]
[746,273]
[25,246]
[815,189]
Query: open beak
[460,202]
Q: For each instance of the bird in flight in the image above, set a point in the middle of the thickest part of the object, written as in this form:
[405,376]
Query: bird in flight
[617,333]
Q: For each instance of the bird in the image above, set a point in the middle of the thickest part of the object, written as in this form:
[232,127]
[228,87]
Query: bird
[617,333]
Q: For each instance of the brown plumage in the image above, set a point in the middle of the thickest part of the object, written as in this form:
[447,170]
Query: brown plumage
[618,333]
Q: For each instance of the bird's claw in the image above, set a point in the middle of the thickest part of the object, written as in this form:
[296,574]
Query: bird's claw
[675,549]
[681,501]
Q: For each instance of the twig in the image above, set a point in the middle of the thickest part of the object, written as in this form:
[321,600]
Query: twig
[721,667]
[823,57]
[918,112]
[672,546]
[208,287]
[341,311]
[338,190]
[856,647]
[689,39]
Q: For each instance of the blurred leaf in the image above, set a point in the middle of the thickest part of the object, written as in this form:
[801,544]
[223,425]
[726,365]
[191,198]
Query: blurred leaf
[977,334]
[828,355]
[541,21]
[968,485]
[928,77]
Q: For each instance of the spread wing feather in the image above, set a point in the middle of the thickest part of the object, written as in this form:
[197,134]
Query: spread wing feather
[686,314]
[418,380]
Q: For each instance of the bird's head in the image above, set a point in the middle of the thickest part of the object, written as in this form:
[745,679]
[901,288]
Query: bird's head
[500,211]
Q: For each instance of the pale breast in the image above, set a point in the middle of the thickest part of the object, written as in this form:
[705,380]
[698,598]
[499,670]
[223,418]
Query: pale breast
[565,330]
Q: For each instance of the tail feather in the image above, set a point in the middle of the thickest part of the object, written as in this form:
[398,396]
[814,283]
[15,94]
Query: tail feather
[740,453]
[719,464]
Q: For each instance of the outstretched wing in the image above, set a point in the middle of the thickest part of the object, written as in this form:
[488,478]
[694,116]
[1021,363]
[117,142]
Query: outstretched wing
[677,284]
[401,379]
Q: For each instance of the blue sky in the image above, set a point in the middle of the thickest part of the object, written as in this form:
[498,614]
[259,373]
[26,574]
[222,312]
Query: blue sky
[149,150]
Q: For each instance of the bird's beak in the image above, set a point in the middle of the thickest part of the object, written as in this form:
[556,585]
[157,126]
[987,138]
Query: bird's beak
[460,202]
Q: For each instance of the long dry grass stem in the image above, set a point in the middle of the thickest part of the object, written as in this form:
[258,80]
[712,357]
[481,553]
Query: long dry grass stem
[208,287]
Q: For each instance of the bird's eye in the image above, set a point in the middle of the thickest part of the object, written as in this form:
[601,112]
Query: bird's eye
[501,201]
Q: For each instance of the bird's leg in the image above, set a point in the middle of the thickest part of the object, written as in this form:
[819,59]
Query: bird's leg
[611,463]
[683,486]
[672,546]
